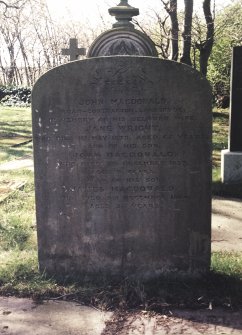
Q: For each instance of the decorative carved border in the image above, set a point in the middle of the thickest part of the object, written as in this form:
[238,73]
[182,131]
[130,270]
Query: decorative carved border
[122,42]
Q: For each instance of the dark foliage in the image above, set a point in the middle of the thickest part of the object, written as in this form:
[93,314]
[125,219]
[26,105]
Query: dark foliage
[15,96]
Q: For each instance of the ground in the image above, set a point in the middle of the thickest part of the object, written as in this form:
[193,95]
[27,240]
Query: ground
[226,224]
[26,317]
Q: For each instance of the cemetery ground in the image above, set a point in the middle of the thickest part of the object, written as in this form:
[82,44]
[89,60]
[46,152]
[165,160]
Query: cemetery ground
[19,275]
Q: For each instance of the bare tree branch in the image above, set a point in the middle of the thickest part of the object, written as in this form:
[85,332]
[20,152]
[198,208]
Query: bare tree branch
[8,5]
[171,8]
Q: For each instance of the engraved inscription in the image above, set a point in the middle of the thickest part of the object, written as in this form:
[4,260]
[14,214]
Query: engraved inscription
[122,136]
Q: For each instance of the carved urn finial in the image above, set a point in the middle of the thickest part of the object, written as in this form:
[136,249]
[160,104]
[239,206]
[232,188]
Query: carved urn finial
[123,13]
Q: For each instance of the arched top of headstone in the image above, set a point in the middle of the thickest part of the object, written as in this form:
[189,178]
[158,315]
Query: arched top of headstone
[122,42]
[123,39]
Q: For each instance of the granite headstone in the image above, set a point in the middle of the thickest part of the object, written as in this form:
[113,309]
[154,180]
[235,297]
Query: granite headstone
[231,162]
[122,167]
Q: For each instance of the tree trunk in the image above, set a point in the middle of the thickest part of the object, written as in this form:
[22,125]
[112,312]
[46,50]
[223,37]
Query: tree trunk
[172,11]
[11,70]
[174,29]
[186,35]
[3,78]
[206,47]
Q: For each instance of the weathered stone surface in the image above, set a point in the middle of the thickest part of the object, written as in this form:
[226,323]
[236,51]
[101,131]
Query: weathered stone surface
[122,41]
[123,13]
[74,52]
[231,159]
[122,167]
[235,138]
[231,167]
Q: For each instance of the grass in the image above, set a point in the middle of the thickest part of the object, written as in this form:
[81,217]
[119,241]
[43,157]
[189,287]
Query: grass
[15,125]
[227,263]
[17,214]
[220,142]
[220,137]
[19,273]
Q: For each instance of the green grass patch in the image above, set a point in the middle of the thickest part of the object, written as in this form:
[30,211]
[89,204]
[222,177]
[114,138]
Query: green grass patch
[15,120]
[227,263]
[220,142]
[220,134]
[19,275]
[16,128]
[17,218]
[20,174]
[222,287]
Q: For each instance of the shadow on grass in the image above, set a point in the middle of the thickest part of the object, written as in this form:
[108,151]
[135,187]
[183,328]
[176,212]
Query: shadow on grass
[196,304]
[160,294]
[20,151]
[22,128]
[221,115]
[220,146]
[167,291]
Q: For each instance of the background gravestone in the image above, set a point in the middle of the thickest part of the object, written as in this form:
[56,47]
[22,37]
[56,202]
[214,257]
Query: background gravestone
[122,149]
[74,52]
[231,162]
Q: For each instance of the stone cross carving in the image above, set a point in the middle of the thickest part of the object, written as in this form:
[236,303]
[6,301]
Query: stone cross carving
[73,50]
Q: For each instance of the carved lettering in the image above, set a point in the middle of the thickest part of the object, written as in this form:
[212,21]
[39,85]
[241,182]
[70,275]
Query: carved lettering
[123,136]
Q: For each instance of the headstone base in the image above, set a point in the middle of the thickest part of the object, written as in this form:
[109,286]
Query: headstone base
[231,167]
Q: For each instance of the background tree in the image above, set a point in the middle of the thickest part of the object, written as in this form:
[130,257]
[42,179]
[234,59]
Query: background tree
[197,35]
[187,32]
[228,33]
[171,9]
[205,46]
[31,41]
[5,5]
